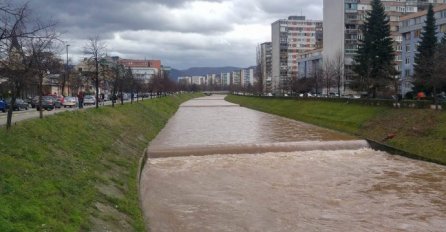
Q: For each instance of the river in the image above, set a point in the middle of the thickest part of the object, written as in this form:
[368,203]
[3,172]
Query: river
[220,167]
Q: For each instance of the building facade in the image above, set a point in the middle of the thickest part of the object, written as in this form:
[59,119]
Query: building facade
[411,27]
[225,79]
[342,22]
[247,77]
[290,37]
[143,69]
[264,60]
[310,63]
[423,4]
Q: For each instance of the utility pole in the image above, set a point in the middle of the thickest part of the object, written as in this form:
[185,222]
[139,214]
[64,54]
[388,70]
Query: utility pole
[67,70]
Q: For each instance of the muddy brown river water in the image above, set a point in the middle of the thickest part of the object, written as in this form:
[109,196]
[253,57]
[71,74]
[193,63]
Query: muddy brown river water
[220,167]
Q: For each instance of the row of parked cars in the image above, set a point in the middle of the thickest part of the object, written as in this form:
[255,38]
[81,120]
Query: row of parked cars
[49,102]
[20,104]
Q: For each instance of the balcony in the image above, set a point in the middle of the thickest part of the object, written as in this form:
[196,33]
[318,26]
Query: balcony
[351,31]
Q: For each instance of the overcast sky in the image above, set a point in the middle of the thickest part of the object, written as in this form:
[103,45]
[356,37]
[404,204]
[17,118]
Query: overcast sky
[181,33]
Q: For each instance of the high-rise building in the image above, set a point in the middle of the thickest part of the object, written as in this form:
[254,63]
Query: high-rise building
[264,60]
[342,22]
[236,79]
[225,79]
[247,77]
[211,79]
[289,38]
[411,27]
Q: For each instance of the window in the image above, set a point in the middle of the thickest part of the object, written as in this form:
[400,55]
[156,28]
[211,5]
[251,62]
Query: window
[407,36]
[417,34]
[443,28]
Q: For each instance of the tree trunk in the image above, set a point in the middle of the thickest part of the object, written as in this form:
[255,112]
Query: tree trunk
[122,98]
[113,97]
[40,95]
[63,84]
[435,97]
[10,110]
[339,86]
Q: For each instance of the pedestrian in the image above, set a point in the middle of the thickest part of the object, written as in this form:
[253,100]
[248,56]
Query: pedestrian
[80,99]
[103,98]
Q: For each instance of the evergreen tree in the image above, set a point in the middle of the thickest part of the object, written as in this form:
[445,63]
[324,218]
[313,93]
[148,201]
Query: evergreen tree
[425,57]
[375,60]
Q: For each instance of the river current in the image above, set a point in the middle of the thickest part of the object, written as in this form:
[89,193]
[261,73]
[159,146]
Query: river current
[220,167]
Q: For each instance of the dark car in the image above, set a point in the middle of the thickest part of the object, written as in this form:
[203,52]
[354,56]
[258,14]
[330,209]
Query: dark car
[441,99]
[59,101]
[34,101]
[28,100]
[20,104]
[48,103]
[2,106]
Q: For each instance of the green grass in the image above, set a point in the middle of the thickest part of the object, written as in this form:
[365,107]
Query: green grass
[418,131]
[76,171]
[334,115]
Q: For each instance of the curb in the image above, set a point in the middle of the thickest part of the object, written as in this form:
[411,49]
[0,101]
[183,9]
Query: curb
[395,151]
[141,165]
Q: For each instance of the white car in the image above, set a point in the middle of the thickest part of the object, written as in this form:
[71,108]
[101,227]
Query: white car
[69,102]
[89,100]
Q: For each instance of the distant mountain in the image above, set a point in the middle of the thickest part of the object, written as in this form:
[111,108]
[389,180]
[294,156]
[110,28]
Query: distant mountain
[200,71]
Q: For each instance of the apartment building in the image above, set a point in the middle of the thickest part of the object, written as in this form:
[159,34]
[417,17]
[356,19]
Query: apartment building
[211,79]
[291,37]
[423,4]
[236,79]
[143,69]
[194,80]
[225,79]
[247,77]
[309,63]
[342,22]
[411,27]
[264,60]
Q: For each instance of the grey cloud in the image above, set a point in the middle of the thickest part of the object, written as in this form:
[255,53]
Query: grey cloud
[78,18]
[292,7]
[170,30]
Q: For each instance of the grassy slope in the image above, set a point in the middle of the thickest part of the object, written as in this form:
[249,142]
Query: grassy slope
[76,171]
[422,132]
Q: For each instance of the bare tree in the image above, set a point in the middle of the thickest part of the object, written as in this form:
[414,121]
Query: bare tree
[130,83]
[338,71]
[41,59]
[317,78]
[18,27]
[116,81]
[328,74]
[96,49]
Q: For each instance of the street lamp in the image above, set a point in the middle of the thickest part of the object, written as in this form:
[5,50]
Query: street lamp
[66,73]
